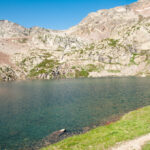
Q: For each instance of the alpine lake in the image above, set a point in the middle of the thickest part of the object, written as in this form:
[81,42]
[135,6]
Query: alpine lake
[32,110]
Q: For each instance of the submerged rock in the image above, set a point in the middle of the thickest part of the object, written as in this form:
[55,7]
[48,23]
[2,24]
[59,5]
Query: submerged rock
[56,134]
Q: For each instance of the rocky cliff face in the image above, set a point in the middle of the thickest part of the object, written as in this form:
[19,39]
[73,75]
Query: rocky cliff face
[114,42]
[99,25]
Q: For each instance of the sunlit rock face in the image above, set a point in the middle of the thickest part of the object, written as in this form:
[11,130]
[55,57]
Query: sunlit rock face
[9,29]
[142,7]
[109,42]
[99,25]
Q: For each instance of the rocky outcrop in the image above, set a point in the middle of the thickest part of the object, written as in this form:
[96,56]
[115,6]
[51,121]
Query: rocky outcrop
[7,74]
[113,42]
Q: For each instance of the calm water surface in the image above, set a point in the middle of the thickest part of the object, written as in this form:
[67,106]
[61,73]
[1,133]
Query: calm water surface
[31,110]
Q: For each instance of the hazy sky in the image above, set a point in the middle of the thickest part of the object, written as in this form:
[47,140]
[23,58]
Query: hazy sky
[54,14]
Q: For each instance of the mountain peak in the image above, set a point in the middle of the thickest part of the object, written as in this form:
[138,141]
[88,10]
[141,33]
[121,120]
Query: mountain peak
[100,24]
[9,29]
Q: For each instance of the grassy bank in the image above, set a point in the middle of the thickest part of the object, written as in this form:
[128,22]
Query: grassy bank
[146,146]
[131,125]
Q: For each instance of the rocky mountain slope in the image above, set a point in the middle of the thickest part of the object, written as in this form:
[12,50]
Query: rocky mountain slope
[114,42]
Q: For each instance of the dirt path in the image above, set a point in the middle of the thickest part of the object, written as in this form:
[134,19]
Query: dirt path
[135,144]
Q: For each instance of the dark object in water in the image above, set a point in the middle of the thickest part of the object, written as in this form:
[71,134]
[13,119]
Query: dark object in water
[55,136]
[50,139]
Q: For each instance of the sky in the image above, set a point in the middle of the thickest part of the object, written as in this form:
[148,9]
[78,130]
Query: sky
[53,14]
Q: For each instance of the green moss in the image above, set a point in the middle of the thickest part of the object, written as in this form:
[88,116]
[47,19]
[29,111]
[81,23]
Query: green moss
[130,126]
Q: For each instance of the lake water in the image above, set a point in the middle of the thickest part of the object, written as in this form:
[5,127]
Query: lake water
[31,110]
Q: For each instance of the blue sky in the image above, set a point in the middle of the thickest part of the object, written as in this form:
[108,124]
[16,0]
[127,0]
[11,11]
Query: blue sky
[53,14]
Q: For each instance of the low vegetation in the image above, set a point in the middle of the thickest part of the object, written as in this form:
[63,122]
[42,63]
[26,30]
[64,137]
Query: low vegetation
[46,66]
[130,126]
[22,40]
[132,60]
[114,71]
[81,73]
[146,146]
[112,42]
[91,67]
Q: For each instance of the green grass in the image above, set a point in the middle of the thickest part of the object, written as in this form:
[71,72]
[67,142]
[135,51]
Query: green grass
[90,47]
[112,42]
[81,73]
[132,60]
[45,66]
[73,67]
[130,126]
[81,51]
[146,146]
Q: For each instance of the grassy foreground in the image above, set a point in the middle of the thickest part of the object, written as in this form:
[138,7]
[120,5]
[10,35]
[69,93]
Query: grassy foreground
[131,125]
[146,146]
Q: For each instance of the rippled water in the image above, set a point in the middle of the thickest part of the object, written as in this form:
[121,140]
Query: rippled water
[31,110]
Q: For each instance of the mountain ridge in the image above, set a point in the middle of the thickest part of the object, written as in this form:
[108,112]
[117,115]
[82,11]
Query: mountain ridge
[111,42]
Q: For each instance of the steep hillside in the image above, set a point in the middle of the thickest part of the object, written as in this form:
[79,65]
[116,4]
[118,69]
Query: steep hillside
[114,42]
